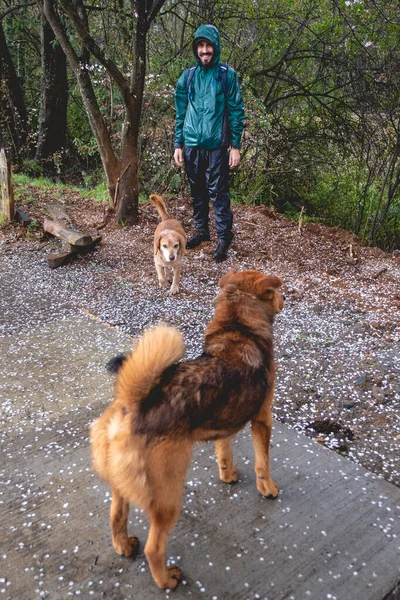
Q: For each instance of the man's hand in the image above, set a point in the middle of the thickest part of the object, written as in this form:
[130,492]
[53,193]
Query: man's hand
[178,157]
[234,157]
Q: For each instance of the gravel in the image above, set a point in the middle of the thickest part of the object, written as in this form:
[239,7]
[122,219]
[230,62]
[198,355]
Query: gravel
[337,339]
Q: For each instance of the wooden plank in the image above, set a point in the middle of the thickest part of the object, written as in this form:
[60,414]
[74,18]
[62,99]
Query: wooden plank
[55,260]
[96,240]
[72,236]
[58,213]
[7,208]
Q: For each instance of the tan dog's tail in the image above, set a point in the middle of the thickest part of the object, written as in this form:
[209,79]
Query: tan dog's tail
[159,348]
[160,206]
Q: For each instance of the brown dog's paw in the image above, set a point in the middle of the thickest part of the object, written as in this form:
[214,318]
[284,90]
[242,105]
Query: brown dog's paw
[267,487]
[127,546]
[173,291]
[228,475]
[174,577]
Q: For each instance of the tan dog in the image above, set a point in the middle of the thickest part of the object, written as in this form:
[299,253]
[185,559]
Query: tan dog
[142,443]
[169,246]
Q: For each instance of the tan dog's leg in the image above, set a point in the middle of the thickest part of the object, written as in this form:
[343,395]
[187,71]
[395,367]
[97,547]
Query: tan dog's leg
[227,470]
[119,525]
[261,428]
[175,282]
[162,280]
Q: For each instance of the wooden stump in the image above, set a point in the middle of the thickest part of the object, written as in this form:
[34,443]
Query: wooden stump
[7,188]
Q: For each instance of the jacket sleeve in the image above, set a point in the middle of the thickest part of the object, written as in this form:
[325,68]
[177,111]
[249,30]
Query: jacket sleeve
[181,101]
[235,109]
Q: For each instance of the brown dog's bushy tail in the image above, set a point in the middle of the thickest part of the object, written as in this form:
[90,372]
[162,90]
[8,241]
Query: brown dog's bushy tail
[159,348]
[137,374]
[160,206]
[115,363]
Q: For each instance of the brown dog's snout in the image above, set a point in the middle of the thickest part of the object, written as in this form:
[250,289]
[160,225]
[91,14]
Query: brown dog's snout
[171,257]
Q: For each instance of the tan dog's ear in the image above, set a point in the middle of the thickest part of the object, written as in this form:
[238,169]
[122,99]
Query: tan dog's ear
[156,243]
[227,278]
[182,244]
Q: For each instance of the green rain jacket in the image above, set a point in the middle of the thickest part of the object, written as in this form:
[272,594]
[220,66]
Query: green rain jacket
[200,117]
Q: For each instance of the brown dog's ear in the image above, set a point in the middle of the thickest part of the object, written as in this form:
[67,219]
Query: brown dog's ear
[157,239]
[265,286]
[274,281]
[227,278]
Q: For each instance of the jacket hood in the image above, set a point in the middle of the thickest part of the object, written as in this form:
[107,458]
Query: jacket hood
[210,33]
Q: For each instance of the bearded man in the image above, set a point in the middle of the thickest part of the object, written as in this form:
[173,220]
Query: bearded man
[208,130]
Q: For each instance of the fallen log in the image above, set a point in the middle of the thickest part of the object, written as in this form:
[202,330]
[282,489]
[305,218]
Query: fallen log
[73,241]
[72,236]
[81,249]
[55,260]
[58,213]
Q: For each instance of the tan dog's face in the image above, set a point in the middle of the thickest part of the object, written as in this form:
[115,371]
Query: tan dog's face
[170,246]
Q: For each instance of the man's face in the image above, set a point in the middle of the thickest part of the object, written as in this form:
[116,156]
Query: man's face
[205,52]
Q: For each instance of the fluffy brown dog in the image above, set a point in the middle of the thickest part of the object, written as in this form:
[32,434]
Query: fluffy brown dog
[169,246]
[142,443]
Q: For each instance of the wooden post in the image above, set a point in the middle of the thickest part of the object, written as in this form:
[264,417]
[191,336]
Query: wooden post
[7,188]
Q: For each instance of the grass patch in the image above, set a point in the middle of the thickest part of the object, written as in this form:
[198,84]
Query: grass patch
[57,189]
[44,183]
[21,179]
[98,194]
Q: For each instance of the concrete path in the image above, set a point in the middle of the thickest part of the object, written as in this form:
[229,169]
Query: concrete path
[333,533]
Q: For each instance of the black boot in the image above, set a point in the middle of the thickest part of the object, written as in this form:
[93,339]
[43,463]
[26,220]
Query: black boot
[221,251]
[197,238]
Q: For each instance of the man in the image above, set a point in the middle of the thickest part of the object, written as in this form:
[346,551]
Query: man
[208,130]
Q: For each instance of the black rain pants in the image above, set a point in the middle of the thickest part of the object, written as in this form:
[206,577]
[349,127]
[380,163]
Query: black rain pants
[208,175]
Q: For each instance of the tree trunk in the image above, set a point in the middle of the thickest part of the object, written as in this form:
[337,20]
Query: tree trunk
[392,186]
[53,111]
[128,197]
[121,175]
[128,188]
[99,128]
[13,116]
